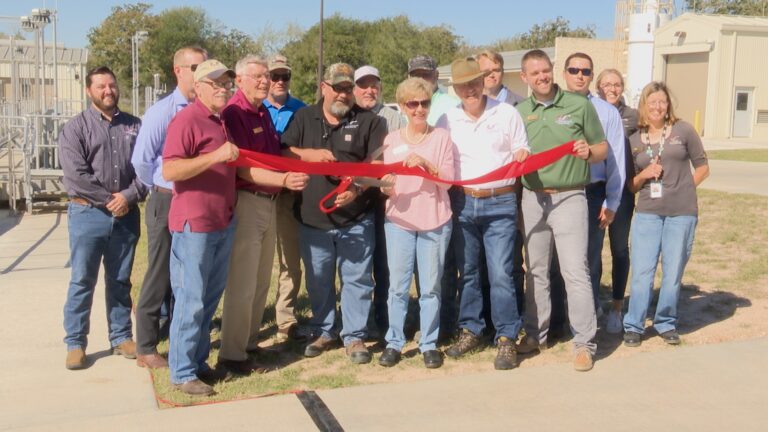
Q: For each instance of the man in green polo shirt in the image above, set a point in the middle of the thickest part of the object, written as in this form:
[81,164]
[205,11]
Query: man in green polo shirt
[554,206]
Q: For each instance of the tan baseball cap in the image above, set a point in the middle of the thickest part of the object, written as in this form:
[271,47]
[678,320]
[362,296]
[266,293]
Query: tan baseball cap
[212,69]
[278,62]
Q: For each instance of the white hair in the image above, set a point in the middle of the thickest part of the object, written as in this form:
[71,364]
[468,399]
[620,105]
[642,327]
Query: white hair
[249,59]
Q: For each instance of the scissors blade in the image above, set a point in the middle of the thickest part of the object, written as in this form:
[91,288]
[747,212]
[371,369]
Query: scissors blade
[371,182]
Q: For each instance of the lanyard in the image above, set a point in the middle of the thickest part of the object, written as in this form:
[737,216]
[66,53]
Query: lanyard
[662,139]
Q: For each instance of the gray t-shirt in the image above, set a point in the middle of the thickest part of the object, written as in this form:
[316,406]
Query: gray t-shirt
[682,149]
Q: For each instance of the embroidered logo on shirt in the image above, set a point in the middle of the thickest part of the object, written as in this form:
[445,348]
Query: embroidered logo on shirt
[564,120]
[532,117]
[257,130]
[675,140]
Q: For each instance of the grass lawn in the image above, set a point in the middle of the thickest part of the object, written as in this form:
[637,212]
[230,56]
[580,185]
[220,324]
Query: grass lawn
[743,155]
[724,278]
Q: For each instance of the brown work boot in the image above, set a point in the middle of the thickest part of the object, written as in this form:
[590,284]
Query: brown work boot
[126,349]
[358,353]
[151,361]
[318,346]
[195,388]
[582,361]
[529,344]
[467,342]
[75,359]
[506,358]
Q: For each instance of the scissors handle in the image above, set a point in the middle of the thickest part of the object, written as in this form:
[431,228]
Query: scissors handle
[343,185]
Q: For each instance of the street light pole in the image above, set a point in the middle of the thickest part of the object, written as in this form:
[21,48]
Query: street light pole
[41,18]
[136,40]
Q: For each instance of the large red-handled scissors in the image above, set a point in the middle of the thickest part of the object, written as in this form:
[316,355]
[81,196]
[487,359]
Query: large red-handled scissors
[344,185]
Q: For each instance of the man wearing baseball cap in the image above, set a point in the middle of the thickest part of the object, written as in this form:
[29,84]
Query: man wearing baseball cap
[336,129]
[424,66]
[282,106]
[200,220]
[487,134]
[367,97]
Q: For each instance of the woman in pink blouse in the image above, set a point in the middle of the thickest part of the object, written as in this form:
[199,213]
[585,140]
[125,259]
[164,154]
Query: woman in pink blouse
[418,221]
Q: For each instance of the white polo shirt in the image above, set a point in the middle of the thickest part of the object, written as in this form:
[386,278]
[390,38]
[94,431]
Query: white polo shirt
[485,144]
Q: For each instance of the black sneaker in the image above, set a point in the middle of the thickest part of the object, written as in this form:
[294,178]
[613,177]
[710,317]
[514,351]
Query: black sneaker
[506,358]
[432,359]
[389,357]
[671,337]
[467,342]
[632,339]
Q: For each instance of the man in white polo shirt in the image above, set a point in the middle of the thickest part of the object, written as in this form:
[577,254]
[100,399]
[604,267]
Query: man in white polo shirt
[487,134]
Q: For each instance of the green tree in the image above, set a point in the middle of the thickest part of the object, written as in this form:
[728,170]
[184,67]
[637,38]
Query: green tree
[729,7]
[110,42]
[386,43]
[542,35]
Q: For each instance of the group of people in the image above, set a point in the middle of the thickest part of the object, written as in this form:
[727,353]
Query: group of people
[496,260]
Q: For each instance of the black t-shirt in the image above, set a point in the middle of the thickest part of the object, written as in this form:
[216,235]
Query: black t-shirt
[357,135]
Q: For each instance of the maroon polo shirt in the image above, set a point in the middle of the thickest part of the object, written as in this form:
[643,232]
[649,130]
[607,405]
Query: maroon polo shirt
[207,200]
[251,129]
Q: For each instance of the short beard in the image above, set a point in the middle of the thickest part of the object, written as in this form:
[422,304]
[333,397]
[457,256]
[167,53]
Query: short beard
[105,108]
[339,109]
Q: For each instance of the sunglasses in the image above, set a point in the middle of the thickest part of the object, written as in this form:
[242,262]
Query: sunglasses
[341,88]
[416,103]
[284,77]
[575,71]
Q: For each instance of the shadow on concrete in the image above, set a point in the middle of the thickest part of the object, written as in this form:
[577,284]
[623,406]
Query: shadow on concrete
[8,222]
[31,249]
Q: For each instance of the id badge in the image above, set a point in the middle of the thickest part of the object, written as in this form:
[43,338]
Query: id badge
[656,189]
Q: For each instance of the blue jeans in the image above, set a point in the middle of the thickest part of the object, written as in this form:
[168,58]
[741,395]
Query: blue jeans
[94,234]
[618,233]
[199,265]
[488,224]
[350,250]
[672,237]
[428,249]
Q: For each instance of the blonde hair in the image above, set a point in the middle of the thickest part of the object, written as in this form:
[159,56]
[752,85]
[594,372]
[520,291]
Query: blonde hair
[411,87]
[642,107]
[493,56]
[607,72]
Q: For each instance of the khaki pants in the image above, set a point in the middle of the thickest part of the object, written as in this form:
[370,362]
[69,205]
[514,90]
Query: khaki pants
[289,260]
[250,271]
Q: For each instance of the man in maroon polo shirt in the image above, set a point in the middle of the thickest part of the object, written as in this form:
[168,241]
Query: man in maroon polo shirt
[250,127]
[200,220]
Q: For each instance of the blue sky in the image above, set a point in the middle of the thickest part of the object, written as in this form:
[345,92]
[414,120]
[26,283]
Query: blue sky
[477,21]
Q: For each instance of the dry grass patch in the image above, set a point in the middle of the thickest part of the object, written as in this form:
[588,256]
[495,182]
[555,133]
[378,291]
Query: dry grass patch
[723,298]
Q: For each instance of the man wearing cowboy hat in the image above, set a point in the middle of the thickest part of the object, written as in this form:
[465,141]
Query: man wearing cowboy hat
[200,220]
[487,134]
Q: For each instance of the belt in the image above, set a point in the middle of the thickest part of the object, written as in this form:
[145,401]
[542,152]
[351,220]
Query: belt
[487,193]
[81,201]
[161,189]
[558,190]
[270,197]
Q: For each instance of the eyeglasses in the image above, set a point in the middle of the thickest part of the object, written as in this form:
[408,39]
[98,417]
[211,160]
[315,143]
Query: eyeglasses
[284,77]
[262,77]
[226,85]
[575,71]
[416,103]
[192,67]
[341,88]
[611,85]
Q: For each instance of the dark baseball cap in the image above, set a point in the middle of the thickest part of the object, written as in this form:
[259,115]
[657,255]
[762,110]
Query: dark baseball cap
[422,62]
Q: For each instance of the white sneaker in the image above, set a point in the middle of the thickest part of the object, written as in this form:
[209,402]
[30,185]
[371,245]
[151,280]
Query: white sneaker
[614,324]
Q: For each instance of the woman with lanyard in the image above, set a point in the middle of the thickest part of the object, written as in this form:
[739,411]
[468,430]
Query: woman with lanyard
[418,221]
[664,149]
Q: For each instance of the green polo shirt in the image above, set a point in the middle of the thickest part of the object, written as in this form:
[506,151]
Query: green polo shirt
[570,117]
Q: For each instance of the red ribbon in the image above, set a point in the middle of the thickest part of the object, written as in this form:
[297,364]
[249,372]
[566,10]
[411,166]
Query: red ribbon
[511,170]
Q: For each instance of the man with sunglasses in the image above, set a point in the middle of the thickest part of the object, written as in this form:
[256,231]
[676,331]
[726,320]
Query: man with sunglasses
[282,106]
[553,206]
[367,96]
[336,129]
[604,191]
[425,67]
[487,134]
[148,162]
[201,222]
